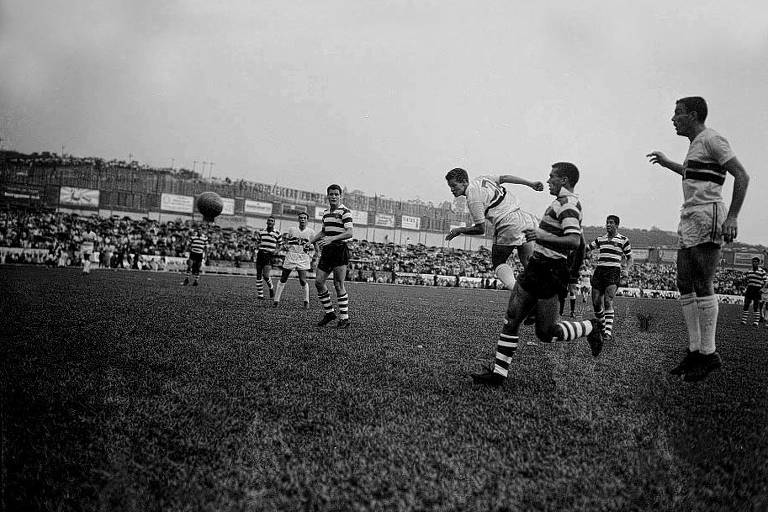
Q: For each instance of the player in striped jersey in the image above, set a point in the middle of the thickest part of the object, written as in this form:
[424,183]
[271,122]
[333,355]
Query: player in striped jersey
[547,274]
[269,239]
[756,279]
[198,243]
[703,227]
[612,248]
[334,257]
[488,200]
[297,257]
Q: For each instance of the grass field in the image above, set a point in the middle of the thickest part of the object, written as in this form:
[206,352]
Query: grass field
[125,391]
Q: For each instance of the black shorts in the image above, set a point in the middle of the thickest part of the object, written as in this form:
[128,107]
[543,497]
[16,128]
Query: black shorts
[752,294]
[333,255]
[500,254]
[196,261]
[545,278]
[604,277]
[264,258]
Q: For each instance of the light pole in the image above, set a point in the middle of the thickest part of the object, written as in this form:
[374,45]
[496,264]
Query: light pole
[202,173]
[173,162]
[194,164]
[210,170]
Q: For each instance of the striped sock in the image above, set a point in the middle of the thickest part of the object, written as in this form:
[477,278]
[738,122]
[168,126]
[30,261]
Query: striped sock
[609,314]
[325,300]
[505,349]
[754,318]
[343,301]
[745,316]
[570,330]
[260,288]
[600,317]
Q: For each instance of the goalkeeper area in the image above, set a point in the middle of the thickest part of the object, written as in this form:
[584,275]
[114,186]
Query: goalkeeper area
[123,390]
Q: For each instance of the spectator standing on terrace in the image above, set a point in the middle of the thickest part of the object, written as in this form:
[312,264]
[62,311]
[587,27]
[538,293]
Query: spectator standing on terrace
[297,257]
[487,199]
[198,243]
[756,279]
[334,257]
[543,279]
[703,227]
[269,238]
[612,248]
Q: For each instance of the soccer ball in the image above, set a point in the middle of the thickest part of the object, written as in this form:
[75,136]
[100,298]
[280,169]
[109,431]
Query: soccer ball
[210,205]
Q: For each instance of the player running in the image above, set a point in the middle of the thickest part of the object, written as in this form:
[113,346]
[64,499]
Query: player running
[547,273]
[198,243]
[269,239]
[488,200]
[611,249]
[296,242]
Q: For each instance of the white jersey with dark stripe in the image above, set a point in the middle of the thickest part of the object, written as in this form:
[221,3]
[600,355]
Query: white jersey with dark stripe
[296,240]
[487,199]
[610,249]
[562,218]
[703,171]
[198,244]
[268,240]
[756,278]
[336,221]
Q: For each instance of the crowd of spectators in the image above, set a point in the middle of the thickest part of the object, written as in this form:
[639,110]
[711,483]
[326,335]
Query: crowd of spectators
[55,238]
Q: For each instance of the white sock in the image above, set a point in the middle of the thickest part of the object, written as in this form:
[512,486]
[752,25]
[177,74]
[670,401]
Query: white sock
[279,291]
[691,315]
[507,276]
[708,309]
[306,292]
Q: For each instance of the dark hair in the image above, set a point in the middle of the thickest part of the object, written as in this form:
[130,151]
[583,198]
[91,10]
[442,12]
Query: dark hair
[695,104]
[614,218]
[755,259]
[568,170]
[304,213]
[333,187]
[271,217]
[457,174]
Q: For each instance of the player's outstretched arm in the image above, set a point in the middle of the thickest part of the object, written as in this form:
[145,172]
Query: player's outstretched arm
[516,180]
[657,157]
[741,182]
[477,229]
[570,241]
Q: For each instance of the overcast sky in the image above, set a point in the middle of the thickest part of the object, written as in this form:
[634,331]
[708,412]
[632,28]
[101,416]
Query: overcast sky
[387,96]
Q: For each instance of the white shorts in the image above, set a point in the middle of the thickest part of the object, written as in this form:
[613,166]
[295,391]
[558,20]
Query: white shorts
[297,261]
[701,224]
[509,228]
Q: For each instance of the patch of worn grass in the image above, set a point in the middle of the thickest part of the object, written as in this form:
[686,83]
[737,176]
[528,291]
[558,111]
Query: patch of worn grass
[125,391]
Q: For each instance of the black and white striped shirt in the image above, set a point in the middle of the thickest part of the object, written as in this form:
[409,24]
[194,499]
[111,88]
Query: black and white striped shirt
[337,221]
[268,240]
[610,249]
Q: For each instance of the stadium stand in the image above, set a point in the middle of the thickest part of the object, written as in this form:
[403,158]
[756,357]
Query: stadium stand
[142,217]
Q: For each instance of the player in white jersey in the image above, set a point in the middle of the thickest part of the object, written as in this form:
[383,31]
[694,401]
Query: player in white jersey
[488,200]
[297,257]
[703,227]
[87,247]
